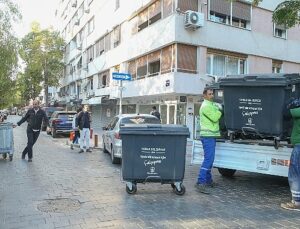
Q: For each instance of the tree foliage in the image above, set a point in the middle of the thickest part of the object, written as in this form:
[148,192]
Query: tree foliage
[286,13]
[42,53]
[8,51]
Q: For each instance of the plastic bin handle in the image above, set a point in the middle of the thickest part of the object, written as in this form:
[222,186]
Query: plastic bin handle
[250,130]
[250,78]
[158,126]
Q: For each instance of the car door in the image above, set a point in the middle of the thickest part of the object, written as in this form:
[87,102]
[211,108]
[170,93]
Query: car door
[110,133]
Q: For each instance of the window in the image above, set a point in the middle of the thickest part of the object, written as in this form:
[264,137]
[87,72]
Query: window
[149,16]
[132,69]
[154,68]
[80,11]
[280,31]
[117,4]
[100,47]
[222,64]
[141,67]
[90,54]
[235,13]
[107,45]
[116,36]
[276,66]
[91,83]
[186,58]
[91,26]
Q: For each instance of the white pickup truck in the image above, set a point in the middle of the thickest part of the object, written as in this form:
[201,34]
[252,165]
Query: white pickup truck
[250,156]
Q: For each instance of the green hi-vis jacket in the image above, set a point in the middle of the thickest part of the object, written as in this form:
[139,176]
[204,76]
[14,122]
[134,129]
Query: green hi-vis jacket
[209,119]
[295,138]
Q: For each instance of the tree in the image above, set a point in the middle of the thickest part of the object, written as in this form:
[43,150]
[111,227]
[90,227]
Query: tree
[42,52]
[286,13]
[8,51]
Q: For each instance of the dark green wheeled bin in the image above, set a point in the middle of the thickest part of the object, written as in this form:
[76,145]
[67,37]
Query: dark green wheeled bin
[154,153]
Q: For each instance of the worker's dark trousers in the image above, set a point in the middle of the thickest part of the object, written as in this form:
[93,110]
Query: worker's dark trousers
[32,136]
[294,173]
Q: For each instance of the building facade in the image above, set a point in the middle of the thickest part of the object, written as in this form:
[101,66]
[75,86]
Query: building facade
[171,48]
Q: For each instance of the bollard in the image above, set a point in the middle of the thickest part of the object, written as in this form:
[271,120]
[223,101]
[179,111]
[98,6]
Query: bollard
[96,140]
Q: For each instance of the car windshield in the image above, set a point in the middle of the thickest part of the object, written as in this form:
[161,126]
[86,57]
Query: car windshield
[49,111]
[140,120]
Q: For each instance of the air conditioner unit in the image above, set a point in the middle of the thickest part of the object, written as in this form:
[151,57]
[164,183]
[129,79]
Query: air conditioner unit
[87,10]
[193,20]
[92,93]
[74,3]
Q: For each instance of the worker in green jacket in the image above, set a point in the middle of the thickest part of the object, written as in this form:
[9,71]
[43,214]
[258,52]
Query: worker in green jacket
[210,115]
[294,168]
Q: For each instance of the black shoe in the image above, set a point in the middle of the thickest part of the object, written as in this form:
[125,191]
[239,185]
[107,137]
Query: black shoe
[203,188]
[81,151]
[23,157]
[30,160]
[89,150]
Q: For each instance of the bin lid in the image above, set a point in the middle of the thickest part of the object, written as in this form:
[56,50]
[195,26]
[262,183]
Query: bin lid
[154,129]
[262,80]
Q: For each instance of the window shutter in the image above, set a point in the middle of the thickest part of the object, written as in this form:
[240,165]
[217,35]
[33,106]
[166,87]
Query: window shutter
[187,58]
[226,53]
[143,17]
[107,42]
[167,8]
[134,25]
[241,10]
[281,27]
[117,34]
[155,56]
[141,66]
[132,68]
[166,59]
[220,6]
[185,5]
[154,9]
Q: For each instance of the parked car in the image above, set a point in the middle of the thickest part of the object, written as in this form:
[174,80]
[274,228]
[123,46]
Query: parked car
[49,111]
[111,138]
[60,123]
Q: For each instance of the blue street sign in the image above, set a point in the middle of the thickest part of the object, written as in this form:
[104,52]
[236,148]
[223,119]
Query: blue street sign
[121,76]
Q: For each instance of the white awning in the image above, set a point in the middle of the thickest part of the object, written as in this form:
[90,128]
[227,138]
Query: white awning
[95,100]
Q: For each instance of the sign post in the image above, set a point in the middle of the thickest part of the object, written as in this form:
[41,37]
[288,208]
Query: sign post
[121,76]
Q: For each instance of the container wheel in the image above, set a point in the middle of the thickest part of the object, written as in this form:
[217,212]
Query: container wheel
[10,157]
[173,186]
[131,191]
[226,172]
[4,156]
[181,191]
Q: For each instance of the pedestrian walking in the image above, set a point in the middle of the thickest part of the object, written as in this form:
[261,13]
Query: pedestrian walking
[84,123]
[75,128]
[34,117]
[210,115]
[155,112]
[294,167]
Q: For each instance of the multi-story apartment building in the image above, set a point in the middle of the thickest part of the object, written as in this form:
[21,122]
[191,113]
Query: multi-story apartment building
[170,58]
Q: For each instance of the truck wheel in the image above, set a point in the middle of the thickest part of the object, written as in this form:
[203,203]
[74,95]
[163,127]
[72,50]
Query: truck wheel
[133,190]
[10,157]
[226,172]
[181,191]
[4,156]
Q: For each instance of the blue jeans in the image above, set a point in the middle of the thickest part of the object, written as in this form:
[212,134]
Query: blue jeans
[294,173]
[209,146]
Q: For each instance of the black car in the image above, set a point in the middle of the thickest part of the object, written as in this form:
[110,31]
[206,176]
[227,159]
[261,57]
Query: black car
[60,122]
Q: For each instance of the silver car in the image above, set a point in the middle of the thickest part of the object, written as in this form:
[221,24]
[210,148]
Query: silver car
[112,142]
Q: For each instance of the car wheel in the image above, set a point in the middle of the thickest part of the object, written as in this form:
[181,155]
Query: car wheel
[114,160]
[104,148]
[54,134]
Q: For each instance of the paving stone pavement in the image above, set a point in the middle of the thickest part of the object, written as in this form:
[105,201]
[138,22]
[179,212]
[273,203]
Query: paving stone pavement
[245,201]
